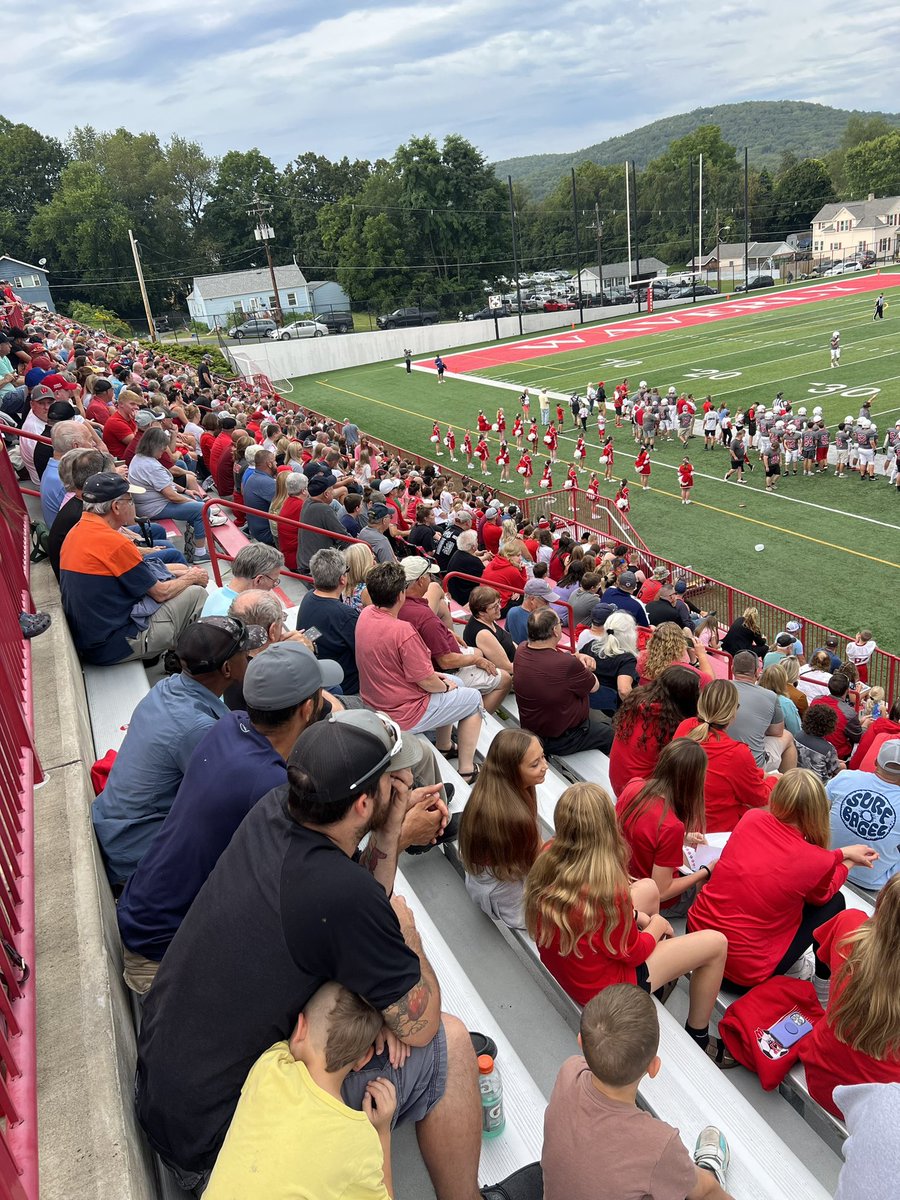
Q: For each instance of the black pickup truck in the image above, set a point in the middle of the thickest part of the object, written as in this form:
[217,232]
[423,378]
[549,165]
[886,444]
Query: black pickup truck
[337,322]
[401,318]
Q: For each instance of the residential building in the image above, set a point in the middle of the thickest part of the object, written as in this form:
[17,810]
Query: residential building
[326,296]
[727,258]
[842,229]
[30,283]
[619,274]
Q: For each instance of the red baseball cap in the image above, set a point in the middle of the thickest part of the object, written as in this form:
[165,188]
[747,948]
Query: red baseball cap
[42,361]
[59,381]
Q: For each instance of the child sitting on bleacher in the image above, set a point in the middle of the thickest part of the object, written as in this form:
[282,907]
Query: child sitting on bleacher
[597,1142]
[292,1134]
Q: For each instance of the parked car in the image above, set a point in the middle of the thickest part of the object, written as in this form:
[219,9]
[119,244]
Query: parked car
[337,322]
[761,281]
[558,305]
[700,289]
[258,327]
[299,329]
[403,318]
[617,295]
[866,258]
[844,268]
[488,314]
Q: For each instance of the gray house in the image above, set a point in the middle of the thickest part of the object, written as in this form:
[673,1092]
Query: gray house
[326,296]
[30,283]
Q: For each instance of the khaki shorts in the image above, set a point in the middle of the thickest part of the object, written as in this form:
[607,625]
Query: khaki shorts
[478,678]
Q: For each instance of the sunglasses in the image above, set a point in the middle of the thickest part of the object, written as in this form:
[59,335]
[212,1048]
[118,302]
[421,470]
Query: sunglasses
[237,630]
[395,733]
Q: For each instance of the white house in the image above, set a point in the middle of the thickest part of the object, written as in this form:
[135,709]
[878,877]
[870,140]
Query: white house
[619,274]
[763,258]
[219,299]
[842,229]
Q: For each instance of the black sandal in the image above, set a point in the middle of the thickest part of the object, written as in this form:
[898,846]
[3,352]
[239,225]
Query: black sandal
[469,777]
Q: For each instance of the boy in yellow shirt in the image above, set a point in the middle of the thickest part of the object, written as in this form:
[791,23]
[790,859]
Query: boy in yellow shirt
[292,1137]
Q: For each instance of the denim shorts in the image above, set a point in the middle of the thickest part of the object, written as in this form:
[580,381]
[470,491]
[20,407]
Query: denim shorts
[420,1082]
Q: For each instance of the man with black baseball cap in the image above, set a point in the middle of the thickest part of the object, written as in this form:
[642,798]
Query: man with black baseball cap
[288,891]
[164,729]
[317,511]
[118,604]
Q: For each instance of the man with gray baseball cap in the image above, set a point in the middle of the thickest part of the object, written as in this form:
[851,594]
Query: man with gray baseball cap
[537,594]
[621,594]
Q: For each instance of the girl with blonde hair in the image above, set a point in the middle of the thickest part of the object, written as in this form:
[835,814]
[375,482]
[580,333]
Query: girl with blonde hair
[734,783]
[774,679]
[670,644]
[595,927]
[776,882]
[791,668]
[745,634]
[859,1039]
[281,494]
[499,838]
[360,560]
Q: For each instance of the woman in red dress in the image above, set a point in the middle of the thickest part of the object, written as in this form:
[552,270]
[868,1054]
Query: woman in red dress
[484,425]
[580,452]
[571,480]
[517,432]
[551,440]
[593,488]
[685,479]
[501,422]
[533,435]
[607,458]
[436,440]
[623,504]
[503,462]
[526,470]
[450,443]
[642,466]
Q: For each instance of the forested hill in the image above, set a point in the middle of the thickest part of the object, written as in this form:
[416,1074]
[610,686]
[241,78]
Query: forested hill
[767,127]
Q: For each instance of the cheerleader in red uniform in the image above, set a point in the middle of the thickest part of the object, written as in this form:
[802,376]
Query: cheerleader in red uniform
[546,481]
[686,479]
[483,451]
[642,466]
[593,488]
[526,470]
[503,462]
[533,435]
[560,415]
[579,453]
[571,480]
[450,443]
[623,504]
[607,457]
[436,440]
[467,449]
[551,440]
[517,432]
[525,402]
[484,425]
[501,424]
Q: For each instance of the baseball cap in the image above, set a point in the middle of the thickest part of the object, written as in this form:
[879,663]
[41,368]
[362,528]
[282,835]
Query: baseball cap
[888,757]
[831,639]
[492,510]
[287,674]
[34,376]
[320,483]
[144,417]
[601,613]
[56,380]
[62,410]
[348,751]
[107,485]
[227,423]
[42,395]
[415,567]
[784,639]
[377,511]
[388,485]
[627,580]
[207,644]
[540,587]
[680,586]
[793,626]
[101,386]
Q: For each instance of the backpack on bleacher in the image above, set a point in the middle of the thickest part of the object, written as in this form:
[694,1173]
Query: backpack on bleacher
[40,542]
[525,1184]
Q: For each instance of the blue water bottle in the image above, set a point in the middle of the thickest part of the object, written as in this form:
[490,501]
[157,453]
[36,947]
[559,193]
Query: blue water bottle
[493,1122]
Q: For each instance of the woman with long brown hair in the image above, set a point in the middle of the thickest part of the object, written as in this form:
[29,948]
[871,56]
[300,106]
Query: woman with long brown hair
[659,816]
[594,927]
[776,882]
[499,837]
[669,644]
[646,720]
[734,783]
[859,1039]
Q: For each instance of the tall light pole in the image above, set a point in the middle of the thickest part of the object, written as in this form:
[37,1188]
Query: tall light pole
[263,232]
[598,229]
[140,274]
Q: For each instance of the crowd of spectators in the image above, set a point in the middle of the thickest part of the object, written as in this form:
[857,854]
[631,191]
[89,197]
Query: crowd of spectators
[251,823]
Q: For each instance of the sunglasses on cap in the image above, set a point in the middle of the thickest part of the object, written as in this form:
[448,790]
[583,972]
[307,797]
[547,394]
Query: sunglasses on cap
[242,636]
[394,732]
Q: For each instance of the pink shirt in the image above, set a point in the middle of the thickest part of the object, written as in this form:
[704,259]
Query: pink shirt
[392,658]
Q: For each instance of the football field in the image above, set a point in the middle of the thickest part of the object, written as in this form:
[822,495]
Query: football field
[831,546]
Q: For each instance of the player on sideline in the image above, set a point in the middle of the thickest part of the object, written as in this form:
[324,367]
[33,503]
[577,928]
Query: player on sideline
[836,348]
[686,480]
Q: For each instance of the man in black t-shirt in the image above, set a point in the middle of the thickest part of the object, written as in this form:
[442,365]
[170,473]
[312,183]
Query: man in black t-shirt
[285,910]
[446,546]
[663,609]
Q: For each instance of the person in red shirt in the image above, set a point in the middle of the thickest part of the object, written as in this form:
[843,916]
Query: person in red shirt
[734,783]
[607,458]
[560,415]
[450,443]
[490,529]
[98,409]
[660,816]
[484,425]
[436,440]
[593,488]
[546,480]
[642,466]
[623,504]
[647,720]
[685,479]
[503,462]
[551,441]
[848,731]
[467,448]
[532,436]
[506,568]
[483,452]
[501,422]
[594,928]
[120,428]
[518,430]
[571,480]
[222,457]
[776,882]
[526,470]
[858,1041]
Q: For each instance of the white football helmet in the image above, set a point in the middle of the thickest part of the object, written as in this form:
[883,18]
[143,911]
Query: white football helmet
[801,412]
[837,333]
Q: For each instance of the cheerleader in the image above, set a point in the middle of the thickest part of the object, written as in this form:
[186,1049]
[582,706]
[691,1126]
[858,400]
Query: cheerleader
[526,470]
[571,480]
[606,459]
[601,423]
[551,440]
[642,466]
[450,443]
[503,462]
[560,414]
[579,453]
[518,432]
[501,424]
[533,435]
[686,479]
[484,425]
[467,449]
[623,504]
[525,404]
[593,488]
[436,439]
[482,451]
[546,481]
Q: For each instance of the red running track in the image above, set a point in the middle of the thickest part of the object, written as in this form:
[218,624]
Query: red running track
[686,318]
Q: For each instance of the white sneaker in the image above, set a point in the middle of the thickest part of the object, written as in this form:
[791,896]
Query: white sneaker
[804,968]
[712,1153]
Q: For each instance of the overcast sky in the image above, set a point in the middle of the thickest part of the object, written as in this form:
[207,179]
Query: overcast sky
[357,78]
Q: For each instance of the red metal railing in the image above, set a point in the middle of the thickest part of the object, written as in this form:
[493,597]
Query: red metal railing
[20,771]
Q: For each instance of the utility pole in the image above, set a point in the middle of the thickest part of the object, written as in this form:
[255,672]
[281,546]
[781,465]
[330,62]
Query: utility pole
[263,232]
[515,250]
[747,219]
[694,258]
[637,252]
[140,274]
[598,227]
[577,250]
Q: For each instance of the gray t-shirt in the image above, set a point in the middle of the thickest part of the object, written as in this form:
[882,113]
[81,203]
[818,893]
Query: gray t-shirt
[759,709]
[381,547]
[583,604]
[872,1151]
[149,473]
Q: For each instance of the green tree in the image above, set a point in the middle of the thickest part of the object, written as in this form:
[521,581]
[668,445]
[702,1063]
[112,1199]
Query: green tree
[800,192]
[30,167]
[227,223]
[191,171]
[310,183]
[763,207]
[874,167]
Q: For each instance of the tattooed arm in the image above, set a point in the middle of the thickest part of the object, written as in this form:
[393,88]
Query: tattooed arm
[416,1017]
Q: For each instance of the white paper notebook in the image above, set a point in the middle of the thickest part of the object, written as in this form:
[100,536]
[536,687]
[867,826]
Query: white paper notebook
[696,857]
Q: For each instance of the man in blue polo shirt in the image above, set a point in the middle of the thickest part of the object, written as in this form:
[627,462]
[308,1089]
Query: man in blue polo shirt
[621,594]
[239,759]
[259,491]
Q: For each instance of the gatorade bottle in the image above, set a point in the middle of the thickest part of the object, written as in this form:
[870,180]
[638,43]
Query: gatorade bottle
[493,1122]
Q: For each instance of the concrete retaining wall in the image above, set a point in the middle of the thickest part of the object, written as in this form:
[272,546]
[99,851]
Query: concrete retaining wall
[90,1145]
[316,356]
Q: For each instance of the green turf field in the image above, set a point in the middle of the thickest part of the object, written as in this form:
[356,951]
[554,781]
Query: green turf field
[832,547]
